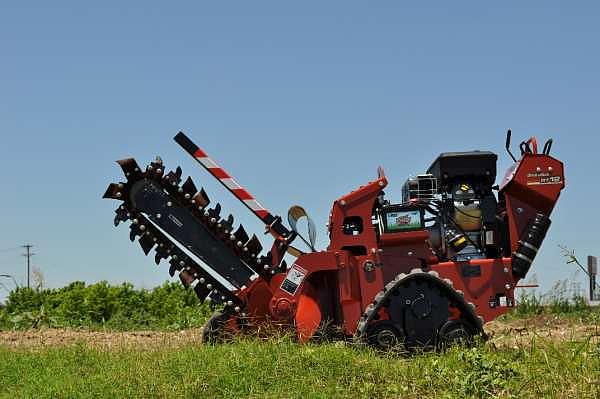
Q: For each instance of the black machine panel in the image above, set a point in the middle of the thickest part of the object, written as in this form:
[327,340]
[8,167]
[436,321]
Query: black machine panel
[450,166]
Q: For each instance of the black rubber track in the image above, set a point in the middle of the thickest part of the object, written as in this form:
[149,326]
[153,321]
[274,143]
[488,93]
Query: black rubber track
[467,309]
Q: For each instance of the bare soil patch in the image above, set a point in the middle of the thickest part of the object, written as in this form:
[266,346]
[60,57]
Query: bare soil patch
[502,334]
[521,332]
[100,339]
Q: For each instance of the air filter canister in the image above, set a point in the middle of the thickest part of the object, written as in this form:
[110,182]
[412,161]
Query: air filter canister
[529,245]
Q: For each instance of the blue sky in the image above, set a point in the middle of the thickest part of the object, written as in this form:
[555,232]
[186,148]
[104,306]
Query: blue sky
[301,101]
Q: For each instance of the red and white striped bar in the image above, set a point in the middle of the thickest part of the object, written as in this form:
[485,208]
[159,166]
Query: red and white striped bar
[227,180]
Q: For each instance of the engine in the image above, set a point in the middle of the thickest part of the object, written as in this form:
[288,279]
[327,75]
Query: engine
[458,205]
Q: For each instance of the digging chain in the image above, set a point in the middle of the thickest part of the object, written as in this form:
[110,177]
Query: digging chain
[162,190]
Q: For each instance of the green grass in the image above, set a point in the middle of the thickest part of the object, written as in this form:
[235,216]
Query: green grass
[282,369]
[555,303]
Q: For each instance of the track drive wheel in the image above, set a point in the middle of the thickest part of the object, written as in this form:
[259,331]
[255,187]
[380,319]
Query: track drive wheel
[385,335]
[455,332]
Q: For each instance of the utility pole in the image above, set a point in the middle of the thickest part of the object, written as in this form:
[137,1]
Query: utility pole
[28,254]
[592,272]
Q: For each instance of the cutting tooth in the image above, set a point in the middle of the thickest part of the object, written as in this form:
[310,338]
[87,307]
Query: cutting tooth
[130,168]
[217,211]
[266,261]
[186,278]
[147,243]
[241,235]
[176,264]
[201,199]
[155,169]
[201,291]
[115,191]
[135,231]
[173,178]
[121,215]
[215,297]
[254,246]
[226,225]
[189,188]
[214,213]
[162,252]
[170,178]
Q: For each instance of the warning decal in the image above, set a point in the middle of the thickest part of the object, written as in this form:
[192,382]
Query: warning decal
[293,279]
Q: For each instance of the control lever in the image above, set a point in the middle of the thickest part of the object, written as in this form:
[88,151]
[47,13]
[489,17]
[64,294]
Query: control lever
[508,136]
[547,147]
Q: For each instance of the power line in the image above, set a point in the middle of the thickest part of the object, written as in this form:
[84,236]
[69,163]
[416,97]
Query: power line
[28,254]
[9,249]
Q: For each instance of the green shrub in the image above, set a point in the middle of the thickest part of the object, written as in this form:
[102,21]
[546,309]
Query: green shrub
[557,301]
[100,305]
